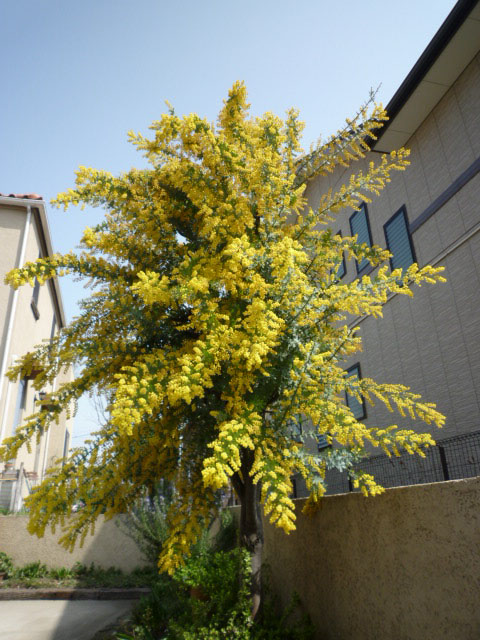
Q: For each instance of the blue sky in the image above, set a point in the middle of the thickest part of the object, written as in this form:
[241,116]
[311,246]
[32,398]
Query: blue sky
[76,76]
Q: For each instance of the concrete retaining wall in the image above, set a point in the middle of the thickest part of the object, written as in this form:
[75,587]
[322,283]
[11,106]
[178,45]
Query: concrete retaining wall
[108,547]
[403,565]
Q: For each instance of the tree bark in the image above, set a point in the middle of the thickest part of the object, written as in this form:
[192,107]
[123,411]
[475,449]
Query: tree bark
[251,526]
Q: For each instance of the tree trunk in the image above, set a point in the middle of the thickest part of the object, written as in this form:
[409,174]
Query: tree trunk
[251,526]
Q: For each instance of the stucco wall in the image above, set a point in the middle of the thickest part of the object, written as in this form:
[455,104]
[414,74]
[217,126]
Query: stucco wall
[402,566]
[108,547]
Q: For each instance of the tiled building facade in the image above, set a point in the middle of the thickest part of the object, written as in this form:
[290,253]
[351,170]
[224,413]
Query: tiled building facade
[28,317]
[428,214]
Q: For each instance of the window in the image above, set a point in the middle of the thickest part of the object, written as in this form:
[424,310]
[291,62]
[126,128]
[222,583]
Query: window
[356,407]
[341,269]
[66,446]
[52,331]
[35,294]
[34,302]
[322,442]
[294,487]
[21,403]
[360,226]
[295,430]
[54,327]
[399,241]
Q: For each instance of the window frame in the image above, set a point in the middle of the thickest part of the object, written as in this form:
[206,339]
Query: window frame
[20,404]
[322,442]
[401,211]
[36,295]
[34,300]
[363,207]
[359,375]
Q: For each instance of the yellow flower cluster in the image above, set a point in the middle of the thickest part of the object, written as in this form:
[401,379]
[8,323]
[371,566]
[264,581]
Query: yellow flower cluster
[216,322]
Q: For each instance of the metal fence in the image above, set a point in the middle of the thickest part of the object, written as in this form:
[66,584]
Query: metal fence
[451,459]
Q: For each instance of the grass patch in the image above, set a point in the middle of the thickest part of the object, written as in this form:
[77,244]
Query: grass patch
[37,575]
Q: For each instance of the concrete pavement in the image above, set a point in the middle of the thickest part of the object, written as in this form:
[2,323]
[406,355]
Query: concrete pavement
[58,619]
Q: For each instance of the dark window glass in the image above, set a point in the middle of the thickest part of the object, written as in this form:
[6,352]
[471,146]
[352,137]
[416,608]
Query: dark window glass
[357,407]
[35,295]
[341,269]
[398,240]
[21,403]
[66,444]
[322,442]
[295,430]
[36,291]
[54,327]
[294,488]
[360,227]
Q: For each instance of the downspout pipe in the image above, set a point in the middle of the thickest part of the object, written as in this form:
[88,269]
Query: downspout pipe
[11,319]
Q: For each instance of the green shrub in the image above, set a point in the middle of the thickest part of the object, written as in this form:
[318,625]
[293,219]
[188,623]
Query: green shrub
[226,538]
[219,608]
[32,570]
[80,569]
[146,523]
[6,564]
[60,573]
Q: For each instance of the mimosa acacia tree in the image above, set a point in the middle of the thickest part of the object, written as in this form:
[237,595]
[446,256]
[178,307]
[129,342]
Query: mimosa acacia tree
[216,326]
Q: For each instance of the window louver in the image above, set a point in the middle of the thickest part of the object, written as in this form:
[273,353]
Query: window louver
[398,241]
[356,407]
[360,227]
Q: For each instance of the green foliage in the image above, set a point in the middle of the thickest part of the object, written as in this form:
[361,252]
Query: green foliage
[209,599]
[33,570]
[287,623]
[6,564]
[147,525]
[60,573]
[226,537]
[146,522]
[151,616]
[37,574]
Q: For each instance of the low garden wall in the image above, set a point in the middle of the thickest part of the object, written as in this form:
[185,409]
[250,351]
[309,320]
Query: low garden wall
[108,547]
[403,565]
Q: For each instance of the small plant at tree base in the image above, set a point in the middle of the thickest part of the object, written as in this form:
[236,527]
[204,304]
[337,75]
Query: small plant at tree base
[6,565]
[223,612]
[60,573]
[147,521]
[37,574]
[33,570]
[226,537]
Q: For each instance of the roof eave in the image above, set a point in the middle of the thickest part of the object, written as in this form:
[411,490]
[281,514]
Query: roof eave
[44,229]
[425,85]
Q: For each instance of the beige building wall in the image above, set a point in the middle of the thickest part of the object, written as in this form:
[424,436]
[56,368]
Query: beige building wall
[11,230]
[431,342]
[25,236]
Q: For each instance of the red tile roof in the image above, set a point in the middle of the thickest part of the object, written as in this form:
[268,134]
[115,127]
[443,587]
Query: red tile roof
[24,196]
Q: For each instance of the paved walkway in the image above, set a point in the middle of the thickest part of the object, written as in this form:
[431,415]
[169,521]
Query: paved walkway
[58,619]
